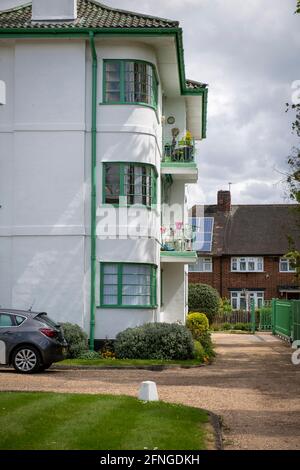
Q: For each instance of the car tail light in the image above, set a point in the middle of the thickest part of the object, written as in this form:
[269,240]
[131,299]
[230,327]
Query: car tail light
[48,332]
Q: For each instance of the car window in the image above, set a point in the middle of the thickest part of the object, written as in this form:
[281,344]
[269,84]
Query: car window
[19,319]
[6,320]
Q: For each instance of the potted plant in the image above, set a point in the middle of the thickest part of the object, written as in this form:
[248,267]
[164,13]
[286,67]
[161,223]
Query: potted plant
[187,146]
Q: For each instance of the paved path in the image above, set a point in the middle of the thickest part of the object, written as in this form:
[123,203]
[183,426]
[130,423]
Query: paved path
[252,385]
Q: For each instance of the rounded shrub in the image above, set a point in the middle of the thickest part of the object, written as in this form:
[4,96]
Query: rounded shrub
[76,338]
[198,324]
[199,353]
[204,298]
[163,341]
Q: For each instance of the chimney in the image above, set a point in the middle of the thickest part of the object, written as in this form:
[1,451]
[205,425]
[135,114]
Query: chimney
[54,10]
[224,201]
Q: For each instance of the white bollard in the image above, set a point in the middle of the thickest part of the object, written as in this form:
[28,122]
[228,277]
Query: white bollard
[148,391]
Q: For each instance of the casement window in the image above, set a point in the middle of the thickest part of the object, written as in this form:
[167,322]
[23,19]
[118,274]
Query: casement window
[286,266]
[241,300]
[129,184]
[128,285]
[253,264]
[203,265]
[130,82]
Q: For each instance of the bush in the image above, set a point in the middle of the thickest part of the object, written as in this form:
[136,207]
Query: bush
[242,326]
[207,345]
[198,324]
[89,355]
[199,353]
[204,298]
[226,326]
[76,338]
[225,306]
[155,341]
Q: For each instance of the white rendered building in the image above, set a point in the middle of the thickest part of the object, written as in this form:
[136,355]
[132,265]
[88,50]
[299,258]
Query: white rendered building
[94,159]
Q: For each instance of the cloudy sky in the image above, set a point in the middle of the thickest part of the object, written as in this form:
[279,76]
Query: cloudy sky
[248,53]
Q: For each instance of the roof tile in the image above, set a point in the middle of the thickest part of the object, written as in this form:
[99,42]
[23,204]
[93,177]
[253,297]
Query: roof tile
[90,15]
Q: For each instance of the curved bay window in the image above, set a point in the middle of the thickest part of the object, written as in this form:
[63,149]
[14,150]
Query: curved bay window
[129,183]
[129,81]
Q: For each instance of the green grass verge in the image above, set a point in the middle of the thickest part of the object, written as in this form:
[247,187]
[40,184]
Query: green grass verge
[126,362]
[48,421]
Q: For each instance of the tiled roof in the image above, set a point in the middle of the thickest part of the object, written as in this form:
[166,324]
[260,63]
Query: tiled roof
[254,229]
[90,14]
[192,85]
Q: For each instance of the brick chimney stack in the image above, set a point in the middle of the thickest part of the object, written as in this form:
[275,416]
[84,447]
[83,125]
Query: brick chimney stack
[224,201]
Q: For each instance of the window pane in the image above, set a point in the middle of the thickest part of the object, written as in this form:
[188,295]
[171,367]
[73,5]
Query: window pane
[242,265]
[19,320]
[112,183]
[112,81]
[110,279]
[6,320]
[110,269]
[251,266]
[110,300]
[110,290]
[242,303]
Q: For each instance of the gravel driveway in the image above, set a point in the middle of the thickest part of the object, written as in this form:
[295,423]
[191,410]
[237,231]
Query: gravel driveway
[252,385]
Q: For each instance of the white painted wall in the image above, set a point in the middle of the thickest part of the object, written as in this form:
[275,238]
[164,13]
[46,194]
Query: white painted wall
[175,107]
[42,178]
[109,322]
[173,309]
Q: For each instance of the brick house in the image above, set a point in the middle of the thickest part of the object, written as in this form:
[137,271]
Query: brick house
[241,250]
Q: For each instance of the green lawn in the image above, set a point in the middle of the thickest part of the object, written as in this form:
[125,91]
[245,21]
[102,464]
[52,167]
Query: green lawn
[97,422]
[126,362]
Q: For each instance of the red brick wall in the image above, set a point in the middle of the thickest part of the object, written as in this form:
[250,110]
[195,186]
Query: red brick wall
[269,280]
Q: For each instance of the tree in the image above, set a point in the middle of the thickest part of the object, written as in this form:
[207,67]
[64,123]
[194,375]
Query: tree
[204,299]
[293,182]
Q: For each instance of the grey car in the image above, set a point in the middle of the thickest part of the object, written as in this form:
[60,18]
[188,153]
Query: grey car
[30,341]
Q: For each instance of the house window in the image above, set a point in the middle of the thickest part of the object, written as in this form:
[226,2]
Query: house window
[247,264]
[129,184]
[130,82]
[286,266]
[241,300]
[203,265]
[128,285]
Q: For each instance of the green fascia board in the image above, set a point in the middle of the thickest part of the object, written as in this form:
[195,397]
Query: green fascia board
[181,254]
[178,165]
[82,32]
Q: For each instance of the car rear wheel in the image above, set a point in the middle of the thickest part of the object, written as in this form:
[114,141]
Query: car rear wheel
[26,360]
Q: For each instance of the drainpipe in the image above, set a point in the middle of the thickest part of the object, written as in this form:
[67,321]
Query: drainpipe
[93,190]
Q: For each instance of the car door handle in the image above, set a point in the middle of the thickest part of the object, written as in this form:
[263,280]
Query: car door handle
[7,333]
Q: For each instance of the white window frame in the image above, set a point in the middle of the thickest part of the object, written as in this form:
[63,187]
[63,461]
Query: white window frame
[258,296]
[286,261]
[241,264]
[204,265]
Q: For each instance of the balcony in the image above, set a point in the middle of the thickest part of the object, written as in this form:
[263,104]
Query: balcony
[176,245]
[179,160]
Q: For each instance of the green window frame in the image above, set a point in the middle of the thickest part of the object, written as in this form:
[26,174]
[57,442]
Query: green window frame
[127,184]
[128,285]
[130,82]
